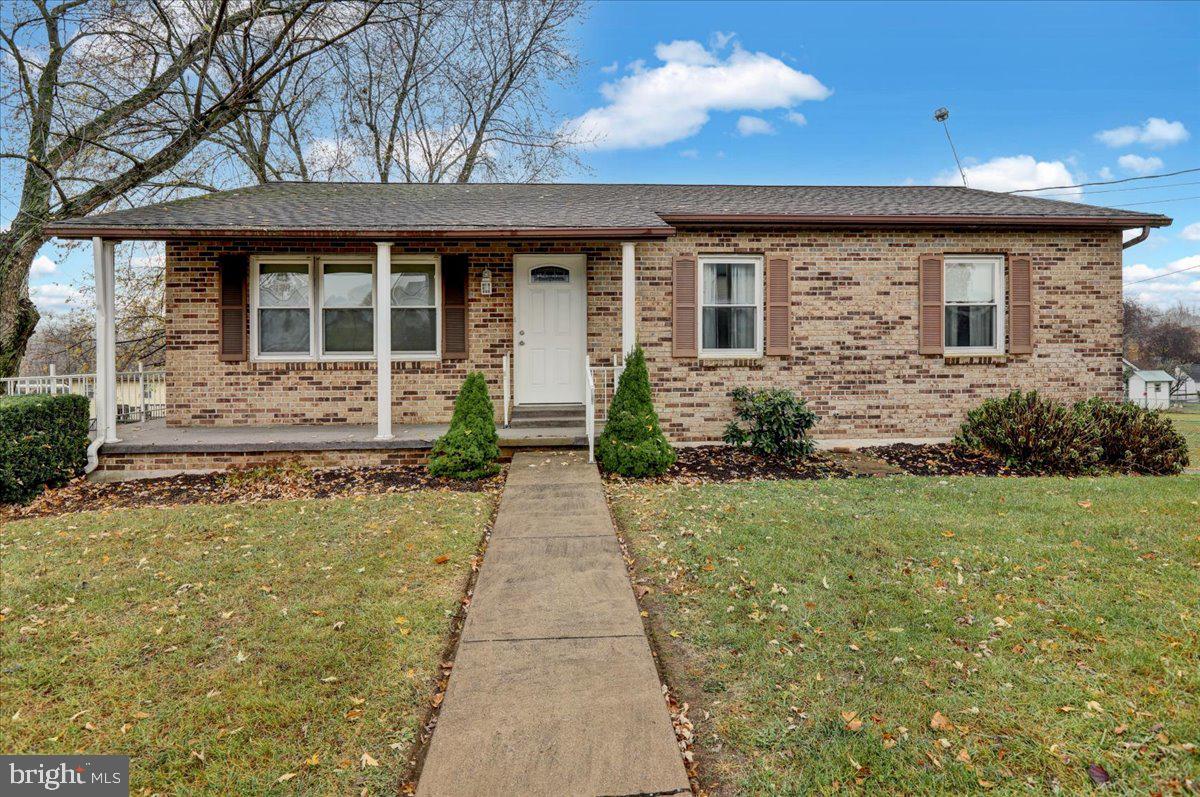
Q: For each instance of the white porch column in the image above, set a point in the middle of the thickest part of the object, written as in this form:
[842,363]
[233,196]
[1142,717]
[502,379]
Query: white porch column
[628,300]
[104,265]
[383,340]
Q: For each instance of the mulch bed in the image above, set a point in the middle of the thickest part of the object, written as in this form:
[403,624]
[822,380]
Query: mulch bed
[728,464]
[239,486]
[943,459]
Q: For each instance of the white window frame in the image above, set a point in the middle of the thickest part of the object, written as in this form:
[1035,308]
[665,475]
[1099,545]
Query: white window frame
[319,272]
[999,263]
[421,260]
[256,262]
[314,262]
[724,354]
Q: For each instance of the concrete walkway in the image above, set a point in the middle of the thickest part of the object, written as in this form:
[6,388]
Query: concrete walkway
[554,690]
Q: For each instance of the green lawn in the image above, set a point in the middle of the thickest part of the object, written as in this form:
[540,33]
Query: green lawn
[925,635]
[235,649]
[1188,424]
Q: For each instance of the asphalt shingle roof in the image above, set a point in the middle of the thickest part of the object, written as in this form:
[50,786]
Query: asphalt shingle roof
[363,208]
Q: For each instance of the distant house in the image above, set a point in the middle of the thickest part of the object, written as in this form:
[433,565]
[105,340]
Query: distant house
[1187,384]
[1148,388]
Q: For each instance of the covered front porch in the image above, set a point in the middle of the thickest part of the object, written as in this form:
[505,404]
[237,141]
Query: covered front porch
[547,322]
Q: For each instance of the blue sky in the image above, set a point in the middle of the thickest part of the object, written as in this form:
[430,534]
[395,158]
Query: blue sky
[1039,94]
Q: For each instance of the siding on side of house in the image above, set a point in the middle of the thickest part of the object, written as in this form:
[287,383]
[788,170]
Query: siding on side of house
[853,338]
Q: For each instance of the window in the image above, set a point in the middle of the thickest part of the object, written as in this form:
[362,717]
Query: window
[284,291]
[730,305]
[414,308]
[549,274]
[347,307]
[974,296]
[324,307]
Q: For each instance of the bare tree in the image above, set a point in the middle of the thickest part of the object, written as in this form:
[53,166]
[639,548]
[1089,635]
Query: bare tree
[112,102]
[68,339]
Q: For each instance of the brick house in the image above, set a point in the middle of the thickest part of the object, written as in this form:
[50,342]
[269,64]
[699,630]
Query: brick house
[891,309]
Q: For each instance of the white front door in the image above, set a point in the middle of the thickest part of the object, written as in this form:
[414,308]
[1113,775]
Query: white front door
[550,327]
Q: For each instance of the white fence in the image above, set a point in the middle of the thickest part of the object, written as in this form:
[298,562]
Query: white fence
[141,394]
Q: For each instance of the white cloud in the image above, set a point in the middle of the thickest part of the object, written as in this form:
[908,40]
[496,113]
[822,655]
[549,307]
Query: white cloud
[1154,132]
[1139,165]
[1191,232]
[1015,172]
[54,297]
[1105,173]
[1168,290]
[671,102]
[797,118]
[719,38]
[754,126]
[42,265]
[689,52]
[691,154]
[608,70]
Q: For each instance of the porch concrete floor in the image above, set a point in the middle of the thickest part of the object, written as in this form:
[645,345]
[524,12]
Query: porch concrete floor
[155,436]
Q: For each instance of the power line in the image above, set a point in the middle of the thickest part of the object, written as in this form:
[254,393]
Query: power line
[1134,188]
[1104,182]
[1160,276]
[1158,201]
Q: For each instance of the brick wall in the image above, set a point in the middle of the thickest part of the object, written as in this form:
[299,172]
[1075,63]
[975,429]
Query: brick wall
[853,333]
[201,391]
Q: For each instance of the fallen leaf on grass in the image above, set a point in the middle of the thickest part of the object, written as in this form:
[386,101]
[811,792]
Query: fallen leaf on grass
[441,560]
[963,756]
[1098,774]
[313,760]
[368,761]
[939,722]
[284,778]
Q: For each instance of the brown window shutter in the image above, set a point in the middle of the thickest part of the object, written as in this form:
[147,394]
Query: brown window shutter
[233,332]
[931,316]
[454,307]
[1020,305]
[683,315]
[779,306]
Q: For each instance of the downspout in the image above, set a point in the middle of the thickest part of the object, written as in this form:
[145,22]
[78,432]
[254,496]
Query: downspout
[93,455]
[1137,239]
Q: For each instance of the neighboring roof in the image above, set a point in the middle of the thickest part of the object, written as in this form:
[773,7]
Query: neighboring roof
[1192,370]
[1155,376]
[577,210]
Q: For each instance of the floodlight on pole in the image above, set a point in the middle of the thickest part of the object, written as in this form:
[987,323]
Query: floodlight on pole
[941,115]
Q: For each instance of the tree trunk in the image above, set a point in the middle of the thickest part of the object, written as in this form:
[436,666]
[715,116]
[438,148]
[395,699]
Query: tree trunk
[18,315]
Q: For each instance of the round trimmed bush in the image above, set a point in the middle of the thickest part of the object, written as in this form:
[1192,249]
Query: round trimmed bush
[632,443]
[470,447]
[1134,439]
[1033,433]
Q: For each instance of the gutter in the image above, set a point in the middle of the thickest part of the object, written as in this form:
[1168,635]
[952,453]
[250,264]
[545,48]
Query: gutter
[815,220]
[1137,239]
[117,232]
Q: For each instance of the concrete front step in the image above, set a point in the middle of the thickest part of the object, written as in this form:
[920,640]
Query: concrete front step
[555,411]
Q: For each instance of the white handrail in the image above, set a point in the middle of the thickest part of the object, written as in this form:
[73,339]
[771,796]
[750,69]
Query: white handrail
[140,394]
[589,409]
[507,388]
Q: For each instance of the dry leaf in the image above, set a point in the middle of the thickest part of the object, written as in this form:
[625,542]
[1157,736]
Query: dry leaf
[368,761]
[285,777]
[963,756]
[441,560]
[939,722]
